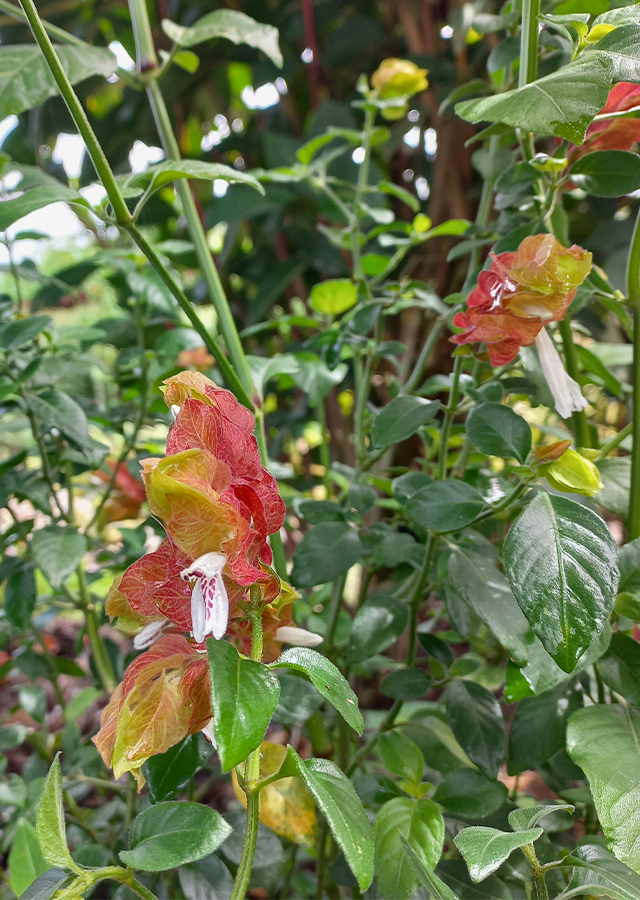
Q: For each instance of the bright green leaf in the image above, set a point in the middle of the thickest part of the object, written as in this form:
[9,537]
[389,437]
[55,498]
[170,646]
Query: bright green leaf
[23,331]
[334,296]
[231,24]
[26,861]
[420,823]
[485,849]
[57,551]
[529,816]
[50,824]
[401,756]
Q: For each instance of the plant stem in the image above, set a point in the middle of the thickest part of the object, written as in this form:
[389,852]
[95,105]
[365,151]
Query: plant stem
[363,178]
[335,605]
[251,768]
[413,379]
[537,872]
[325,457]
[450,411]
[145,50]
[616,440]
[277,547]
[226,323]
[98,648]
[529,42]
[578,417]
[633,292]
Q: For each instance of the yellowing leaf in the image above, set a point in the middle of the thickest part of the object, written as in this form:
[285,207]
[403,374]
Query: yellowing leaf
[286,806]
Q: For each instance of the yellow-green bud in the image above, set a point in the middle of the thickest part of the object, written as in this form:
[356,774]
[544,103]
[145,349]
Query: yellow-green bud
[398,78]
[573,474]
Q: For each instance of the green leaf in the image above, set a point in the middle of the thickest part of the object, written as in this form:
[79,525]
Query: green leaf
[561,560]
[315,377]
[406,684]
[58,410]
[156,177]
[46,885]
[438,890]
[497,431]
[605,742]
[607,173]
[334,296]
[538,727]
[529,816]
[57,551]
[25,78]
[341,807]
[36,198]
[485,849]
[26,861]
[326,678]
[50,824]
[444,506]
[33,700]
[421,824]
[206,879]
[401,418]
[167,773]
[230,24]
[20,598]
[629,562]
[599,874]
[401,756]
[23,331]
[13,791]
[622,46]
[377,624]
[620,668]
[467,792]
[80,703]
[244,695]
[615,472]
[563,103]
[329,550]
[171,834]
[475,717]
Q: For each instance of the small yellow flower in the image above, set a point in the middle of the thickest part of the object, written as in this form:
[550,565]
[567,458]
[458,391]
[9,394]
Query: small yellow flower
[573,474]
[398,78]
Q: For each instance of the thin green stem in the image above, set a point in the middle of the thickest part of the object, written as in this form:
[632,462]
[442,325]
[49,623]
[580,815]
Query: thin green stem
[145,50]
[536,870]
[277,547]
[450,411]
[335,605]
[363,179]
[102,167]
[98,647]
[616,440]
[226,323]
[633,292]
[251,775]
[579,420]
[529,42]
[325,457]
[413,379]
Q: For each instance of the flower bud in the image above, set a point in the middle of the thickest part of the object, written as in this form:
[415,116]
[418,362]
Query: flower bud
[573,474]
[398,78]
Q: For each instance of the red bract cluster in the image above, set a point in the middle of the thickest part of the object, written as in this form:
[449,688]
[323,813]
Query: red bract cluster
[519,294]
[616,133]
[219,505]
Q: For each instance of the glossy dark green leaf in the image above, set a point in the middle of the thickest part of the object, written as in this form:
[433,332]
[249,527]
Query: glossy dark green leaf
[615,473]
[326,678]
[406,684]
[341,807]
[538,727]
[167,773]
[605,742]
[420,823]
[629,562]
[171,834]
[485,849]
[401,418]
[206,879]
[622,46]
[467,792]
[377,624]
[20,597]
[23,331]
[436,647]
[599,874]
[475,717]
[563,103]
[401,756]
[50,823]
[561,560]
[57,551]
[326,552]
[445,505]
[46,885]
[25,78]
[298,700]
[529,816]
[26,861]
[231,24]
[620,668]
[498,431]
[607,173]
[58,410]
[244,696]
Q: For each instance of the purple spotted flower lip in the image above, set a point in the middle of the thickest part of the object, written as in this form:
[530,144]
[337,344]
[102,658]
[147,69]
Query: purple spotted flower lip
[209,600]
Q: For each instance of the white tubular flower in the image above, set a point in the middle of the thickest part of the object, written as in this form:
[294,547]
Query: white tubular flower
[150,634]
[299,637]
[175,409]
[209,733]
[209,600]
[566,392]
